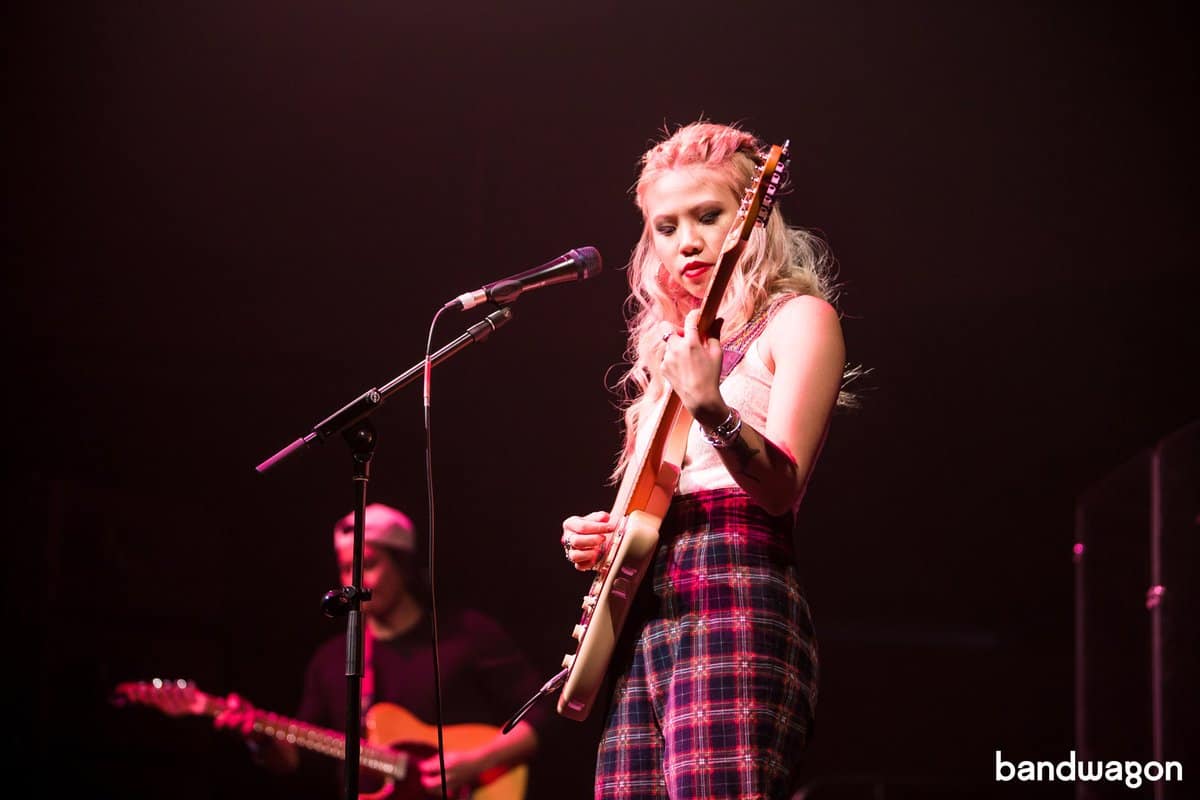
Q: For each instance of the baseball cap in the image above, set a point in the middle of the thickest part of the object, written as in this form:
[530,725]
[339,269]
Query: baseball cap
[382,525]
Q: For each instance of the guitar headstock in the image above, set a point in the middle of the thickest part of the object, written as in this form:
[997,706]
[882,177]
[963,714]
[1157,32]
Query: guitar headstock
[759,197]
[757,202]
[176,698]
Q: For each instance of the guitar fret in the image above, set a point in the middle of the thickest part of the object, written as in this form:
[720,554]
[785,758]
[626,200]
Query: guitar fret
[331,744]
[389,721]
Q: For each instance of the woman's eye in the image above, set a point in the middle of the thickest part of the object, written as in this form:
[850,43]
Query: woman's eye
[665,230]
[709,217]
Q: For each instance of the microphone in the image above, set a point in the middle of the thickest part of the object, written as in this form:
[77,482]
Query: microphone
[574,265]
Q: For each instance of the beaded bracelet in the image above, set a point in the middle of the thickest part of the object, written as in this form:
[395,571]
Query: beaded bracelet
[724,434]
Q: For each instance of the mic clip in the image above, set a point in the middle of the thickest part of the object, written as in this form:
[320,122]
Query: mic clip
[501,293]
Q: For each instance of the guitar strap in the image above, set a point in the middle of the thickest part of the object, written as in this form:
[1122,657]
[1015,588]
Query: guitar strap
[734,348]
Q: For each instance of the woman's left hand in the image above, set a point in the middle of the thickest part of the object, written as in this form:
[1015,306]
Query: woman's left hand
[692,365]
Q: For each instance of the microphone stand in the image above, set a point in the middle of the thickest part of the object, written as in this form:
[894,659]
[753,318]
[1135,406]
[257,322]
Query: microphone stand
[352,422]
[366,403]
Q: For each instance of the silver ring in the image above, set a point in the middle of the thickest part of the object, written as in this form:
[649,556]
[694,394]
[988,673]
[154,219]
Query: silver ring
[667,336]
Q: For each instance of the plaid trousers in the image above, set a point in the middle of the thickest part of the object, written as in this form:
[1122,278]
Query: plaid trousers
[718,662]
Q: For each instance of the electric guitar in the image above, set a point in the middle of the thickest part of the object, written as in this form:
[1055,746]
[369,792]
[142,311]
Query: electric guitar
[650,479]
[396,741]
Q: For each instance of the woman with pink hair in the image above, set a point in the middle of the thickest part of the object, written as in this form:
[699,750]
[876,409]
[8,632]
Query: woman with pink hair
[717,663]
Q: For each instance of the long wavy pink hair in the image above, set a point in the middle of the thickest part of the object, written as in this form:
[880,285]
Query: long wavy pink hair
[778,260]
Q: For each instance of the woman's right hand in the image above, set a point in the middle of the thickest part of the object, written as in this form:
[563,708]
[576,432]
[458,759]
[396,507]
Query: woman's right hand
[585,539]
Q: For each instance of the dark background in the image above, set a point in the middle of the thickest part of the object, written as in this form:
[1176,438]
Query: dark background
[223,221]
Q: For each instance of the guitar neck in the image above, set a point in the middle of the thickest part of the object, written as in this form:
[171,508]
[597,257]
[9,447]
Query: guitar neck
[716,287]
[325,741]
[635,482]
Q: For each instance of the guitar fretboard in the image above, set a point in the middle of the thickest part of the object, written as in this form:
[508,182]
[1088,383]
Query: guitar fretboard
[328,742]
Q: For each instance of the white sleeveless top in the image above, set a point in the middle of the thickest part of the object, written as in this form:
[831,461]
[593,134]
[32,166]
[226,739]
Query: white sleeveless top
[747,388]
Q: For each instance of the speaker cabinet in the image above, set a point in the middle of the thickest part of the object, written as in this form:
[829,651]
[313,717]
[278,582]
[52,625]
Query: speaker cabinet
[1136,552]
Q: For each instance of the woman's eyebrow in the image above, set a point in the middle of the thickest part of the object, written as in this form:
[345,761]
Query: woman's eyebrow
[703,205]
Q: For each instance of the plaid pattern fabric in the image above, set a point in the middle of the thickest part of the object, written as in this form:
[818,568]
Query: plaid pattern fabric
[719,664]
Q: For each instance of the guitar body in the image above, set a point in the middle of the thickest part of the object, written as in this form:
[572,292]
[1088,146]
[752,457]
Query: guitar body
[650,490]
[632,561]
[392,726]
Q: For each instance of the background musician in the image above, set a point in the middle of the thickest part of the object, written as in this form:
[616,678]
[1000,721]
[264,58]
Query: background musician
[484,676]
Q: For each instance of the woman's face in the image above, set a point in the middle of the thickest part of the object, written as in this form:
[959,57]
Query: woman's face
[689,212]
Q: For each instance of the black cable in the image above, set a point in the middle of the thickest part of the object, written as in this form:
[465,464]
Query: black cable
[437,674]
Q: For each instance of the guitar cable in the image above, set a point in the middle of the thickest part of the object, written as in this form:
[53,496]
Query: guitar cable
[437,672]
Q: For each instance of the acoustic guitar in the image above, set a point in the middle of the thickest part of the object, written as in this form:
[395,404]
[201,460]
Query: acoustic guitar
[396,741]
[650,479]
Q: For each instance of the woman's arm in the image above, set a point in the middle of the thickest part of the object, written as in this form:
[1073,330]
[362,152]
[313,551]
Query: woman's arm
[803,347]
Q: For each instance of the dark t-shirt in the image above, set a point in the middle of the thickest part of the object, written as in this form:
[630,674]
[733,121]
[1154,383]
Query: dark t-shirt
[485,678]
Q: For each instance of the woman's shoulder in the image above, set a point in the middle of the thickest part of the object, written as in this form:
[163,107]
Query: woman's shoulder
[802,320]
[803,312]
